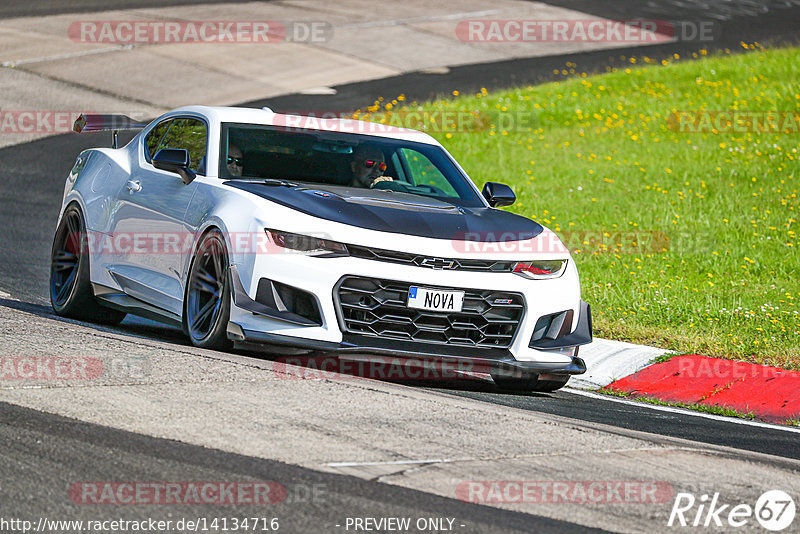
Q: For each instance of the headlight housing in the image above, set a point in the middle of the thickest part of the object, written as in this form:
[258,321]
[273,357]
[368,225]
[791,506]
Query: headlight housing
[304,244]
[540,269]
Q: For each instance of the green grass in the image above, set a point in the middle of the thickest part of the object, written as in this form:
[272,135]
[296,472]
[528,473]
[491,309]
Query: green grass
[663,358]
[714,267]
[705,408]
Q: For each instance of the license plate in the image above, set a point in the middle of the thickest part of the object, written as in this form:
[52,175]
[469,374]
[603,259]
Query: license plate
[434,299]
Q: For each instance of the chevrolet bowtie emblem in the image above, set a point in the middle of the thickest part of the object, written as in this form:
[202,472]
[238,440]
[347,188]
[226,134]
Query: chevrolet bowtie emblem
[438,263]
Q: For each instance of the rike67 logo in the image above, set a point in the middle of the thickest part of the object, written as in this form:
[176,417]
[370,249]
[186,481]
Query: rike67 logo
[774,510]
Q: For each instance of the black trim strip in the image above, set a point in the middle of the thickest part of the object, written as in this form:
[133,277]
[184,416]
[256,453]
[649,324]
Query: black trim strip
[415,348]
[430,262]
[485,357]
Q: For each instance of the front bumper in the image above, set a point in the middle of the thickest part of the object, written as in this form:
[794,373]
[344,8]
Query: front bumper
[480,360]
[254,323]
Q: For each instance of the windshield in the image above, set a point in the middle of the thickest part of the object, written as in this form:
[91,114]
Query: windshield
[250,151]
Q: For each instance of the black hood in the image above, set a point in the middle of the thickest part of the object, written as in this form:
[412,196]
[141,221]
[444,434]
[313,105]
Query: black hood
[394,212]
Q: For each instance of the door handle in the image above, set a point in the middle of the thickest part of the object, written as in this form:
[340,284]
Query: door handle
[133,186]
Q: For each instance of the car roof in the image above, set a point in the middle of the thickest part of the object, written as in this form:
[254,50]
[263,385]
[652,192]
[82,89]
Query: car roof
[266,116]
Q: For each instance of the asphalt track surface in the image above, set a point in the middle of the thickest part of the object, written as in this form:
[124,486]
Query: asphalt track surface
[767,439]
[31,184]
[44,455]
[733,21]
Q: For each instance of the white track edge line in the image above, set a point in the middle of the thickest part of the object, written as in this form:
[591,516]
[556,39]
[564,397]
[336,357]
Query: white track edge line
[684,411]
[396,462]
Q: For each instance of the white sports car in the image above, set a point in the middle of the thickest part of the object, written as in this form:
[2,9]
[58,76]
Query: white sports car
[244,226]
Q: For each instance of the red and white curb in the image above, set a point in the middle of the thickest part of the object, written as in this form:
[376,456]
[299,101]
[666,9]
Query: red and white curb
[608,361]
[768,393]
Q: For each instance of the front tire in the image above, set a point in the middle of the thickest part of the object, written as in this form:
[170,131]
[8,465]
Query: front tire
[525,383]
[207,305]
[530,383]
[70,286]
[548,386]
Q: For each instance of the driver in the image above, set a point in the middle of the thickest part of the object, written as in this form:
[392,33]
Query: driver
[368,166]
[234,161]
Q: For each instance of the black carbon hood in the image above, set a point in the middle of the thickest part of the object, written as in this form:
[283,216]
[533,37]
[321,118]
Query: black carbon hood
[394,212]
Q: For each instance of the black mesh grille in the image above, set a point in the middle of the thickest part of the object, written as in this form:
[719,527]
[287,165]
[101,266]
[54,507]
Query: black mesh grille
[379,308]
[433,263]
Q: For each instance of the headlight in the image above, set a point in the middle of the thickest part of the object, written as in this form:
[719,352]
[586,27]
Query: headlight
[304,244]
[540,269]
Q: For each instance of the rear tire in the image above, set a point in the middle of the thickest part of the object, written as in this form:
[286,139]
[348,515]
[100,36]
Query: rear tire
[70,286]
[207,305]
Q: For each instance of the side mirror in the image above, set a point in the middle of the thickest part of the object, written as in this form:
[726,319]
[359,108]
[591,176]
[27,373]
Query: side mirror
[175,160]
[498,195]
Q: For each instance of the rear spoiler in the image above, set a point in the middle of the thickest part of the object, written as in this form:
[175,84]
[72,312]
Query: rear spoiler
[102,123]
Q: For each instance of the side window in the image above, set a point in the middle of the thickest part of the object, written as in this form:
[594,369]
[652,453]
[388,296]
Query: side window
[189,134]
[154,137]
[423,172]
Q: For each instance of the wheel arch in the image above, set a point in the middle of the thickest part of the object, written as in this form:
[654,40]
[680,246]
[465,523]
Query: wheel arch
[72,199]
[209,225]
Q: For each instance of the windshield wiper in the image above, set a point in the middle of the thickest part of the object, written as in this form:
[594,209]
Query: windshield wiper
[266,181]
[277,183]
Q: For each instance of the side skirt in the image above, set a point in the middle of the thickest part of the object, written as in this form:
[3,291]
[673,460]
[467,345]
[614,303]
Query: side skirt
[117,300]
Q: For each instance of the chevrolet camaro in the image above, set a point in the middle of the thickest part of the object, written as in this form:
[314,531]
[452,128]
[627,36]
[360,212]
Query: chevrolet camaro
[248,227]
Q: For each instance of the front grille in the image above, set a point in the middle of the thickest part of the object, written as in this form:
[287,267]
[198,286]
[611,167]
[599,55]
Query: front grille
[419,260]
[375,307]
